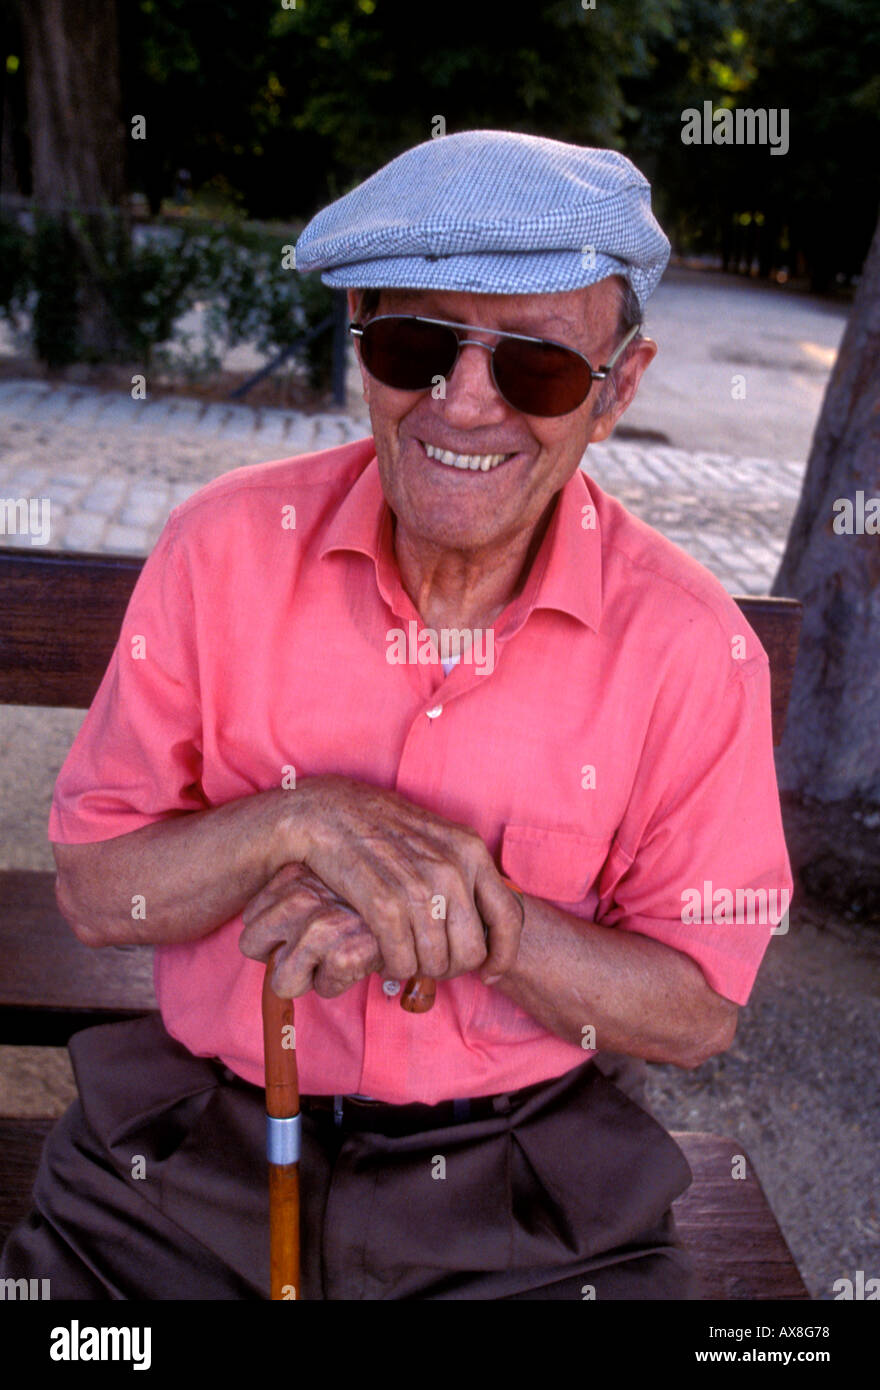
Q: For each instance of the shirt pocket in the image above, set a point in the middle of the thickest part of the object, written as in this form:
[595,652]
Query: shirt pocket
[560,865]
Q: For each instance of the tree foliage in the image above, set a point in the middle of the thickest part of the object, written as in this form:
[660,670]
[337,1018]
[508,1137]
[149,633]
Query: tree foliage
[286,108]
[812,209]
[297,105]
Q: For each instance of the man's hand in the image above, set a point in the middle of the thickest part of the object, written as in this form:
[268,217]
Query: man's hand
[423,885]
[328,946]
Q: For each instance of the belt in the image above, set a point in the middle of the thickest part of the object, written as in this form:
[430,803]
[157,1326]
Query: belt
[377,1117]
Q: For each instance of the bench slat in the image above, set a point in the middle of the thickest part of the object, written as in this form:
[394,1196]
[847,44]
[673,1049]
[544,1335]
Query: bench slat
[777,625]
[43,961]
[44,661]
[727,1225]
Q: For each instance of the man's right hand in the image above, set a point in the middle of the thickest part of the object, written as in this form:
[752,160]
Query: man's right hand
[423,885]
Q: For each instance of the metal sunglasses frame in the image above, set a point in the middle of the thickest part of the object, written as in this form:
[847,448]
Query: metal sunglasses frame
[596,374]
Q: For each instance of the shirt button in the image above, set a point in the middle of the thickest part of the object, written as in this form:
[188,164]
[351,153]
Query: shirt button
[391,987]
[433,713]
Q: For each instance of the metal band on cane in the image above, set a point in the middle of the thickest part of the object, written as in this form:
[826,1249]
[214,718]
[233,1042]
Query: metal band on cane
[283,1140]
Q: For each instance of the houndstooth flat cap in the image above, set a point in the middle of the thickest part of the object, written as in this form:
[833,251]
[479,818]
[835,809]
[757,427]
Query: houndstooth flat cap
[493,212]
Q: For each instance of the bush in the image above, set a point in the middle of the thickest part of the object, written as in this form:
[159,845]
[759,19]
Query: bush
[254,298]
[15,271]
[147,285]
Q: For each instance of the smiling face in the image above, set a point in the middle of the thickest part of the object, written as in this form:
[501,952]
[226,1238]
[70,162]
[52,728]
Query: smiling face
[464,509]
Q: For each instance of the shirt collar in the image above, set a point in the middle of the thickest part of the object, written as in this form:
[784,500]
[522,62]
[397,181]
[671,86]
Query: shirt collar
[566,574]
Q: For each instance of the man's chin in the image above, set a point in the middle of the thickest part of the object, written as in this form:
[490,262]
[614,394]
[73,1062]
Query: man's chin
[445,534]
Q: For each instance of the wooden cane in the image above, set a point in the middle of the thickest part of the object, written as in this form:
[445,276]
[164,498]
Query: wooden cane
[282,1139]
[283,1121]
[283,1126]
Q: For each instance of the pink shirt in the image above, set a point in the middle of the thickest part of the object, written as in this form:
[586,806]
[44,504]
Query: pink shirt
[614,753]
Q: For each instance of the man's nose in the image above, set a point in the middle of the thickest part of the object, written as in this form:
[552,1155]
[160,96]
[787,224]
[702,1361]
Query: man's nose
[470,386]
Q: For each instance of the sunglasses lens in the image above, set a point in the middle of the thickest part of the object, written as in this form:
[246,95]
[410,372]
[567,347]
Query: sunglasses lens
[407,354]
[541,378]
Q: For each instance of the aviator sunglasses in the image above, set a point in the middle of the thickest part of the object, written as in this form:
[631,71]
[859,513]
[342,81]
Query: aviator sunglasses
[534,375]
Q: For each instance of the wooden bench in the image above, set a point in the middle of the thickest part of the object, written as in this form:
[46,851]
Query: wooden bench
[61,615]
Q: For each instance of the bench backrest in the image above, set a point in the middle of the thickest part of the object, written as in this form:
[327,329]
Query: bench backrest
[61,613]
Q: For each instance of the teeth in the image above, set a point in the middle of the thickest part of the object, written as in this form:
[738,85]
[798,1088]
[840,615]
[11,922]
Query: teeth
[476,462]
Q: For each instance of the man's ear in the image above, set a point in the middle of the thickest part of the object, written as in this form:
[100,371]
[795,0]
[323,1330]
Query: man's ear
[637,359]
[353,299]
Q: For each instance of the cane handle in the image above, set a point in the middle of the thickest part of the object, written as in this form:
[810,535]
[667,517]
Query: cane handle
[418,995]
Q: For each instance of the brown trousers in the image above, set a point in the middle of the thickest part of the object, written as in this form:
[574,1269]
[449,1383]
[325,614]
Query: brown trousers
[153,1186]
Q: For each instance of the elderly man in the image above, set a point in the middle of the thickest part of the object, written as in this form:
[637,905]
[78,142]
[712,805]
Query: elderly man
[431,703]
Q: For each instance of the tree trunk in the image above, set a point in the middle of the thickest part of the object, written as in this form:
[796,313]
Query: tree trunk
[9,180]
[77,141]
[831,748]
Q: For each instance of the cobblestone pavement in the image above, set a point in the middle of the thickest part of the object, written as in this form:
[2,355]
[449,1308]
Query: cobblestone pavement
[113,468]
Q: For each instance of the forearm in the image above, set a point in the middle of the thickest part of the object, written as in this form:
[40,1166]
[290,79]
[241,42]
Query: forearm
[642,998]
[178,879]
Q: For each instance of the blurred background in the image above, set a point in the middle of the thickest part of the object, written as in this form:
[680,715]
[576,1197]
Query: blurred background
[158,159]
[165,114]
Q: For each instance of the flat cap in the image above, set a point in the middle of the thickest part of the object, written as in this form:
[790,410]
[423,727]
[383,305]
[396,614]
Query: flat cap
[492,212]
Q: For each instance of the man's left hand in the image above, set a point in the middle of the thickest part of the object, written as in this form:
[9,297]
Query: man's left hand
[327,946]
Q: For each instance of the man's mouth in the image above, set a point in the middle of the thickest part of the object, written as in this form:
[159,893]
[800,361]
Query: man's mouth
[475,462]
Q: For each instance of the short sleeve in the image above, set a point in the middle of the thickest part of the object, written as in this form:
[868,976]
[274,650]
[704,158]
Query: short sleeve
[700,863]
[138,755]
